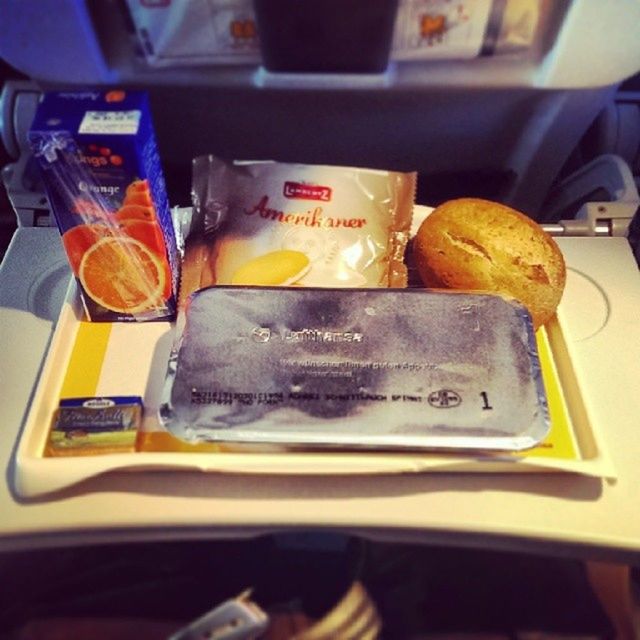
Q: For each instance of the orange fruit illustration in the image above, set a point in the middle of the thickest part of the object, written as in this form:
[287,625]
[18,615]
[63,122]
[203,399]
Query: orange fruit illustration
[168,285]
[142,198]
[136,186]
[123,275]
[135,212]
[146,232]
[77,241]
[150,235]
[138,193]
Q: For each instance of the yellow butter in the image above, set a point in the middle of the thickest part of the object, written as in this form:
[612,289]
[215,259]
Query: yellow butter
[272,269]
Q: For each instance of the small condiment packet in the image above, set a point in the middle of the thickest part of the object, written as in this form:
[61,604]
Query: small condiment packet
[89,426]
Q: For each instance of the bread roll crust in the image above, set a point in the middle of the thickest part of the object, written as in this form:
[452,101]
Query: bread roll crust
[476,244]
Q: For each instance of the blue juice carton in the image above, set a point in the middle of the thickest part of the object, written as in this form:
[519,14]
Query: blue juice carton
[100,164]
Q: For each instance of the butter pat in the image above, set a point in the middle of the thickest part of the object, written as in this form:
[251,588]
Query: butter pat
[374,368]
[89,426]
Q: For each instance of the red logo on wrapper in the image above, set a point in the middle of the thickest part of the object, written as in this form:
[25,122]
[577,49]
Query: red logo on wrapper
[301,191]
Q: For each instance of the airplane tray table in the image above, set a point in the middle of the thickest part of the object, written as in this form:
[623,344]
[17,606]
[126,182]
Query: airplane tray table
[251,492]
[99,359]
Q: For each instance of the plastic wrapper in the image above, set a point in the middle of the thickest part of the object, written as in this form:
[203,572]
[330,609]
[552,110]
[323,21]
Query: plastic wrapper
[274,224]
[174,34]
[441,29]
[369,368]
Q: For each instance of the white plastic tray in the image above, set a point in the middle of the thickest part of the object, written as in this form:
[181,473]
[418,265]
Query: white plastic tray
[131,361]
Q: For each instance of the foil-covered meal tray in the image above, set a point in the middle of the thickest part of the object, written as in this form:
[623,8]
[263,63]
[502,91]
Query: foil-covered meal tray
[366,368]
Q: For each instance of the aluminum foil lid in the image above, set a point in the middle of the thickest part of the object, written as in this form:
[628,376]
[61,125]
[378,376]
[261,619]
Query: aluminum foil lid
[367,368]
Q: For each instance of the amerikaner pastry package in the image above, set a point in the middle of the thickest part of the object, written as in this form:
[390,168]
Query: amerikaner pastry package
[290,224]
[361,368]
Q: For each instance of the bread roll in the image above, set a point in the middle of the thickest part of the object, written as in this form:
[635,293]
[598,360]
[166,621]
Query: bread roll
[475,244]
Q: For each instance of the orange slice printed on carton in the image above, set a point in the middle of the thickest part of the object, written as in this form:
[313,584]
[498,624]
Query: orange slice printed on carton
[138,193]
[137,203]
[78,240]
[150,235]
[135,212]
[123,275]
[137,186]
[143,199]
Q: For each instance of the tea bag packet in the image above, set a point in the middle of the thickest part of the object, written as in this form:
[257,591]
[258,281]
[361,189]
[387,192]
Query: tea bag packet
[276,224]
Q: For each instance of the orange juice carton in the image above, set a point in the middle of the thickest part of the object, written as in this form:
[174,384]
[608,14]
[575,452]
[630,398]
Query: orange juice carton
[100,164]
